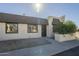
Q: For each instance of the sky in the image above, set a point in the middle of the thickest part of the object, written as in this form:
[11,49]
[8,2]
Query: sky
[71,11]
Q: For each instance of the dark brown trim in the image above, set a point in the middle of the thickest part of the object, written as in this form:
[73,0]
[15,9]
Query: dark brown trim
[6,28]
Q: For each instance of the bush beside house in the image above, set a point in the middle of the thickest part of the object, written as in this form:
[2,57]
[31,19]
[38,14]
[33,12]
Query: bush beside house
[64,31]
[67,27]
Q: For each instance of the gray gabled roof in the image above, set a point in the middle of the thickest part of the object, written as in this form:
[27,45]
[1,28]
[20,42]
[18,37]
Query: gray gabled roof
[5,17]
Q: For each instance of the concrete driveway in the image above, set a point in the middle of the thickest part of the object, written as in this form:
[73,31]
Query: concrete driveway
[44,50]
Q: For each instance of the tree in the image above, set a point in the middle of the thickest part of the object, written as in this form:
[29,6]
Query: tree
[66,27]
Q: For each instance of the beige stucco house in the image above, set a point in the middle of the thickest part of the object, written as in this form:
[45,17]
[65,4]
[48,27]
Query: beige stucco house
[18,27]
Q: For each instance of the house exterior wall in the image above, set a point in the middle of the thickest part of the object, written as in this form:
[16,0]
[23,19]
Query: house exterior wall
[77,35]
[50,26]
[22,32]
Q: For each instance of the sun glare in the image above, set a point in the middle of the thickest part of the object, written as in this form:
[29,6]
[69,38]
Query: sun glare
[38,7]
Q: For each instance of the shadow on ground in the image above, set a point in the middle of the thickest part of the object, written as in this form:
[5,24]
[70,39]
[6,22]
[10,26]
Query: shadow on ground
[70,52]
[21,43]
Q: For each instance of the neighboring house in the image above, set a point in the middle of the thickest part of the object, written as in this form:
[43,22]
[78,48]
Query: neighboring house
[19,27]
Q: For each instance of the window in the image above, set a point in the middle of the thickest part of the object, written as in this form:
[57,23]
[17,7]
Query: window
[32,28]
[11,28]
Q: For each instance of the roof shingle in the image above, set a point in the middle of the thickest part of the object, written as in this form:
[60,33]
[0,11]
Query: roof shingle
[5,17]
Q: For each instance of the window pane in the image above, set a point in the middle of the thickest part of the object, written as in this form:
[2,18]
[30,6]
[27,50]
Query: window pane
[11,28]
[32,28]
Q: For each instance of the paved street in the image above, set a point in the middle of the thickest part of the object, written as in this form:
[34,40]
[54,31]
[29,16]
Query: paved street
[70,52]
[10,45]
[43,50]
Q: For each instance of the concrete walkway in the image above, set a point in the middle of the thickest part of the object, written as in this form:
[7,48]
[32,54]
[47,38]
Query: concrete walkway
[44,50]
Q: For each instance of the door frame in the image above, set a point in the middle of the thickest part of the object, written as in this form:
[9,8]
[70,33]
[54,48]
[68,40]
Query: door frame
[44,30]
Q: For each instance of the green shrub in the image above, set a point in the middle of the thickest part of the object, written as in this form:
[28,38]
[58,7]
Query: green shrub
[66,27]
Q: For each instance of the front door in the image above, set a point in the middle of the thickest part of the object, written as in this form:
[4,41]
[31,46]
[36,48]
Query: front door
[43,30]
